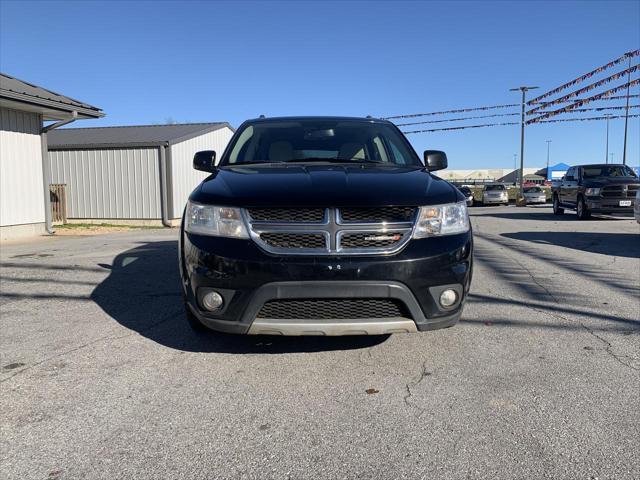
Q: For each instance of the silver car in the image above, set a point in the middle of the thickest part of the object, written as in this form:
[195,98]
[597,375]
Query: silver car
[534,195]
[495,193]
[636,207]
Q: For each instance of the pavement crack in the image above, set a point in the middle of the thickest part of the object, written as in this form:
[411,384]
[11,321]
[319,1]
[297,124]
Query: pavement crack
[608,348]
[414,383]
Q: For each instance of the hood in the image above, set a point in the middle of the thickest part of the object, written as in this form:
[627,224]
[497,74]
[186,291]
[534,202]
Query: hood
[610,181]
[324,185]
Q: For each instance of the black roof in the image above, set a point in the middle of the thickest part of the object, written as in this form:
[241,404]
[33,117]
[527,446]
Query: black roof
[317,118]
[14,89]
[128,136]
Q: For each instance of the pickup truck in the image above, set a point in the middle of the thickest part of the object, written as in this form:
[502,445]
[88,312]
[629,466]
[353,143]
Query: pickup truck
[324,226]
[598,188]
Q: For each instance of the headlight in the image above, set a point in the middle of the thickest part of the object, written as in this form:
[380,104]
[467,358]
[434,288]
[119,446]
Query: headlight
[592,192]
[215,221]
[442,220]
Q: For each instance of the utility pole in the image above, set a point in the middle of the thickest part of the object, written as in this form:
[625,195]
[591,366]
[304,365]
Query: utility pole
[524,91]
[611,155]
[548,144]
[515,168]
[626,115]
[606,155]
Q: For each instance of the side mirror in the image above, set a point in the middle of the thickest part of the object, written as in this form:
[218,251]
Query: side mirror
[205,161]
[435,160]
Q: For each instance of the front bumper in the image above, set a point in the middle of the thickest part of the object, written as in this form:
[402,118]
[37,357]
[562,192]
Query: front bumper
[247,277]
[610,205]
[488,200]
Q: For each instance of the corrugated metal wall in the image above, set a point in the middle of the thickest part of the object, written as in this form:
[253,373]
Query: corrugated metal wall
[21,189]
[183,178]
[109,183]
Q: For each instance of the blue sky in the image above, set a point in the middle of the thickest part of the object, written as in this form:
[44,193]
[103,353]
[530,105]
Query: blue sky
[147,62]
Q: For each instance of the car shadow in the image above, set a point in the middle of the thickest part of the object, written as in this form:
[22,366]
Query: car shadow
[544,213]
[143,293]
[617,244]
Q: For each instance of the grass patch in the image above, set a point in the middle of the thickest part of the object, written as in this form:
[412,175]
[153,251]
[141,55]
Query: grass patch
[86,226]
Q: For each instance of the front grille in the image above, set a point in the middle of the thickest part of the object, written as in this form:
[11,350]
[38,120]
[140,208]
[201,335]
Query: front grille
[620,191]
[294,240]
[370,240]
[331,231]
[612,191]
[338,308]
[293,215]
[377,214]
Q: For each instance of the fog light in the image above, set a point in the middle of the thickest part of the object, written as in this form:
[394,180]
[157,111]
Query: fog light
[448,298]
[212,301]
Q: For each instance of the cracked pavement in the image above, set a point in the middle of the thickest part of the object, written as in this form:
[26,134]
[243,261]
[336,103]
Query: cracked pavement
[101,378]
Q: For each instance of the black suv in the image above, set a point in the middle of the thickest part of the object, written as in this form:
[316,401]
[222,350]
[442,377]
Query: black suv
[324,226]
[598,188]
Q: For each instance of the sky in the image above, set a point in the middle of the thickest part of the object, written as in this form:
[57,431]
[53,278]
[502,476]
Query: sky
[153,62]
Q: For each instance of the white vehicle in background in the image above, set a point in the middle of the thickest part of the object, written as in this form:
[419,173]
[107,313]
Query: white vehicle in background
[495,193]
[534,195]
[636,207]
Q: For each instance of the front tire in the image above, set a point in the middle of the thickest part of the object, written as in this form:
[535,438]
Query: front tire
[582,210]
[557,210]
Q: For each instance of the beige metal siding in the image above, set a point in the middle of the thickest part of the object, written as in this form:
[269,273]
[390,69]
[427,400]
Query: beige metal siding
[21,188]
[109,183]
[183,178]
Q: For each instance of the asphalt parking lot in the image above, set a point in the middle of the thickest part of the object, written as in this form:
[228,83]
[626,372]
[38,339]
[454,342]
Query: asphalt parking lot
[102,378]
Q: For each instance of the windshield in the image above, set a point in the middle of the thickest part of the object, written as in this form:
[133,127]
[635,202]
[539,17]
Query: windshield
[607,171]
[532,190]
[465,190]
[494,187]
[335,141]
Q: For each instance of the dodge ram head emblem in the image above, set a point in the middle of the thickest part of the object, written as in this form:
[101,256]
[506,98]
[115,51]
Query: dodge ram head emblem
[381,238]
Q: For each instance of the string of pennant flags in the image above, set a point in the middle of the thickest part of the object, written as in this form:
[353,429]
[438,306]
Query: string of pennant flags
[540,110]
[586,76]
[558,120]
[586,89]
[584,101]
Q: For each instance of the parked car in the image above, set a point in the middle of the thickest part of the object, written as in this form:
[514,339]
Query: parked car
[534,195]
[468,195]
[598,188]
[636,207]
[495,193]
[308,226]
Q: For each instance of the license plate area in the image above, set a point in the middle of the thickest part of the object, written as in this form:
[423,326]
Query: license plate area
[625,203]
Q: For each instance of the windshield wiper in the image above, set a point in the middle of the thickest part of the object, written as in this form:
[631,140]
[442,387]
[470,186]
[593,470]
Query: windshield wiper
[331,160]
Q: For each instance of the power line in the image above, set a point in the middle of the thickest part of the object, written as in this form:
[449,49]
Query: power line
[605,117]
[613,97]
[462,128]
[460,110]
[596,109]
[458,119]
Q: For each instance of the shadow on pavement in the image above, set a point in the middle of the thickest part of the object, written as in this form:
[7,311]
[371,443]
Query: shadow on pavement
[540,213]
[617,244]
[143,293]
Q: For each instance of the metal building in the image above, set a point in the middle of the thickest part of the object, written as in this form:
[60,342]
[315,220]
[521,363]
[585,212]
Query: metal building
[135,174]
[24,174]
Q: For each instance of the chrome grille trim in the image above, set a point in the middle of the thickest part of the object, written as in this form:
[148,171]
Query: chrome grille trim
[333,230]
